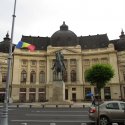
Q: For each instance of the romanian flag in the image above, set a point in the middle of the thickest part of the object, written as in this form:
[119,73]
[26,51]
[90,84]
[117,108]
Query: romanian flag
[22,44]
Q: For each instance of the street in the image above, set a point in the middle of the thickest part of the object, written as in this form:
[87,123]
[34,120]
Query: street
[47,116]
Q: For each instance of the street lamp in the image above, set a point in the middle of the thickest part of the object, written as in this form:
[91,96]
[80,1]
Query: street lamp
[4,115]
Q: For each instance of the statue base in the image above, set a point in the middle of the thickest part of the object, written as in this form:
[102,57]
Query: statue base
[58,93]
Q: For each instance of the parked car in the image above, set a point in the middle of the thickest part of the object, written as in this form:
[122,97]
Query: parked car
[109,112]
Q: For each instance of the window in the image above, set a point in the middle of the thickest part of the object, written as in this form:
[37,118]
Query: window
[86,62]
[23,76]
[87,91]
[65,76]
[112,106]
[122,106]
[54,76]
[73,61]
[4,77]
[97,95]
[33,62]
[73,89]
[107,93]
[41,89]
[124,76]
[23,90]
[104,60]
[41,62]
[32,90]
[73,76]
[42,77]
[95,61]
[24,62]
[33,77]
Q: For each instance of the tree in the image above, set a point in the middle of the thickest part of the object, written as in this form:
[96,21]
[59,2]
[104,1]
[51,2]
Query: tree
[99,75]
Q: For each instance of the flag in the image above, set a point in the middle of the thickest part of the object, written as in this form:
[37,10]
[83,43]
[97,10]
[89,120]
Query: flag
[22,44]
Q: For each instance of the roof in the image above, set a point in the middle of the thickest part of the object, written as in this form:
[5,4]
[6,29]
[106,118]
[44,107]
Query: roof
[94,41]
[5,44]
[64,37]
[41,43]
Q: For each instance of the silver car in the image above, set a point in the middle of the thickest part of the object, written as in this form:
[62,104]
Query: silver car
[109,112]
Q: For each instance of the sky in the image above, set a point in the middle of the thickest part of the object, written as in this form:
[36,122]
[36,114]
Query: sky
[44,17]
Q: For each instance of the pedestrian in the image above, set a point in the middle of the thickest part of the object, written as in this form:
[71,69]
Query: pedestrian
[93,101]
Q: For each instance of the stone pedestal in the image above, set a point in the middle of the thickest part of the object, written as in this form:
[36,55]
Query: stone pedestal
[58,91]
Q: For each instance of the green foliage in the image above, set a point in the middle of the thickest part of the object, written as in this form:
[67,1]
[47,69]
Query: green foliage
[99,75]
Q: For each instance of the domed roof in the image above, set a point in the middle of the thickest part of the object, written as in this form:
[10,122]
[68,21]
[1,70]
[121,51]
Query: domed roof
[64,37]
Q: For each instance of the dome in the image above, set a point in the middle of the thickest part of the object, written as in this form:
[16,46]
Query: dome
[64,37]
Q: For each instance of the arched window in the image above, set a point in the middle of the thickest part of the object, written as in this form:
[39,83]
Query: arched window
[23,76]
[65,76]
[32,77]
[124,76]
[42,77]
[73,76]
[4,77]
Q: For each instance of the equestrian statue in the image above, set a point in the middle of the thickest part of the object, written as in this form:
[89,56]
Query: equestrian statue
[59,66]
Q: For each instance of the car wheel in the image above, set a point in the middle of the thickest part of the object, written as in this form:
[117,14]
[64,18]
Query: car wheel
[104,120]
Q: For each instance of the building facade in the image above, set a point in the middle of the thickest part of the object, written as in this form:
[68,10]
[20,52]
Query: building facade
[32,74]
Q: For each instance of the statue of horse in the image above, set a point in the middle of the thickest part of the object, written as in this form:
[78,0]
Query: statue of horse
[59,66]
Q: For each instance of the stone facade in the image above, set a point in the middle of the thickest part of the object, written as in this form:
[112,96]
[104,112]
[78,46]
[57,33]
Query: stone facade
[32,76]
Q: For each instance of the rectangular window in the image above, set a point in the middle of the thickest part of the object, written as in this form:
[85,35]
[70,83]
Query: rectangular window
[97,95]
[87,91]
[33,62]
[73,61]
[95,61]
[4,77]
[104,60]
[86,62]
[41,89]
[107,93]
[22,89]
[24,62]
[41,62]
[73,89]
[32,90]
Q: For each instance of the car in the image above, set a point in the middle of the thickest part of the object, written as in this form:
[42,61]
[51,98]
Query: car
[109,112]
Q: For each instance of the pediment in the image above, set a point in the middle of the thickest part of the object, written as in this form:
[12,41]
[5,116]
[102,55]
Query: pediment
[64,51]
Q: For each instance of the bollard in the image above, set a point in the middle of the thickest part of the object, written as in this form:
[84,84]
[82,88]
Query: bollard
[56,106]
[83,106]
[52,123]
[114,123]
[17,106]
[30,106]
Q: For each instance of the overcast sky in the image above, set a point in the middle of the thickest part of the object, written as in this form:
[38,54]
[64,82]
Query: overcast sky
[44,17]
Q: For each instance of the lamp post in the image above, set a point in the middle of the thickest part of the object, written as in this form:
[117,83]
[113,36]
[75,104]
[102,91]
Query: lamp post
[4,115]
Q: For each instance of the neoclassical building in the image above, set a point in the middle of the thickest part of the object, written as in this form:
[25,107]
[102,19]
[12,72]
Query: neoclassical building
[32,75]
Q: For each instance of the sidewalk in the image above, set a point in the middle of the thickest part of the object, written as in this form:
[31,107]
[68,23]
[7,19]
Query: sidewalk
[75,104]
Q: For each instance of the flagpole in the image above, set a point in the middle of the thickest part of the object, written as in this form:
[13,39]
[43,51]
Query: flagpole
[4,117]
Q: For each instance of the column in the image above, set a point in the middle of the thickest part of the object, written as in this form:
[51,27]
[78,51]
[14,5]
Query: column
[79,70]
[37,72]
[48,69]
[68,70]
[28,73]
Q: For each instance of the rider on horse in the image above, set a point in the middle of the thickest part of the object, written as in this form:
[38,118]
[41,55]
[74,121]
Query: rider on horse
[59,65]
